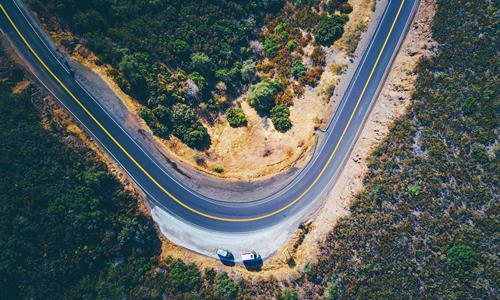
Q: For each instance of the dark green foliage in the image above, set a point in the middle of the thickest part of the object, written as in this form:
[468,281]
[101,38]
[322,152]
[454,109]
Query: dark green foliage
[330,29]
[187,127]
[180,38]
[201,62]
[414,190]
[182,277]
[281,118]
[236,117]
[271,46]
[68,229]
[298,69]
[248,70]
[289,294]
[225,286]
[462,256]
[261,95]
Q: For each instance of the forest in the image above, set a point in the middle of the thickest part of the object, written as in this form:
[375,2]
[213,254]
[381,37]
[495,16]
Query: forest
[188,60]
[68,229]
[425,226]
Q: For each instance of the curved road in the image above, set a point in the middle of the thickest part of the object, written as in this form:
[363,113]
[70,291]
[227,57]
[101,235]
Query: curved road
[173,196]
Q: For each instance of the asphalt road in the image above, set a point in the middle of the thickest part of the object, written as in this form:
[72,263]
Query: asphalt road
[173,196]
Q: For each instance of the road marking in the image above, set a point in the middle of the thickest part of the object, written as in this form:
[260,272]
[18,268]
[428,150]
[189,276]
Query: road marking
[156,182]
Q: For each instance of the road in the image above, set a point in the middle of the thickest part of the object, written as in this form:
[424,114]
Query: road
[172,195]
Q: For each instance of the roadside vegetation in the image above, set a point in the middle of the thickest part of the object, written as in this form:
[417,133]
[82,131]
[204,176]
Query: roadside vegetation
[186,61]
[68,229]
[426,225]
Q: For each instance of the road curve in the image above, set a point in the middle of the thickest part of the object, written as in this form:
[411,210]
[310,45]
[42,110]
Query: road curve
[173,196]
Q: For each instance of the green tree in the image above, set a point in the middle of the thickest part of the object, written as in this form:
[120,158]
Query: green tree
[236,117]
[271,46]
[289,294]
[281,118]
[414,190]
[462,256]
[226,288]
[180,48]
[330,29]
[201,62]
[184,278]
[187,127]
[248,70]
[298,69]
[261,95]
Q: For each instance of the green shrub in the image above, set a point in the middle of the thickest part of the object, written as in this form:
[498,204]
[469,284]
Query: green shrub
[261,95]
[187,127]
[271,46]
[414,190]
[281,118]
[330,29]
[289,294]
[462,256]
[248,70]
[298,69]
[236,117]
[201,62]
[218,169]
[225,286]
[182,277]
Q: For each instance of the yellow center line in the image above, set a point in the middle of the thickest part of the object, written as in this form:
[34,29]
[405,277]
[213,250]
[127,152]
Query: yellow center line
[155,181]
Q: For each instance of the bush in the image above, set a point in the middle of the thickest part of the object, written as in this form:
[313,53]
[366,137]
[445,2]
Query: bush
[312,76]
[414,190]
[248,70]
[271,46]
[218,169]
[281,118]
[201,62]
[261,95]
[236,117]
[462,256]
[329,30]
[199,158]
[226,288]
[289,294]
[188,129]
[298,69]
[182,277]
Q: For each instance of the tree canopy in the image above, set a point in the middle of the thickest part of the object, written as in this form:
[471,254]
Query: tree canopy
[261,95]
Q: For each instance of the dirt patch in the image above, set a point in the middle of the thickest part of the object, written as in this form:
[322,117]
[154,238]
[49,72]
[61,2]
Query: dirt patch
[21,86]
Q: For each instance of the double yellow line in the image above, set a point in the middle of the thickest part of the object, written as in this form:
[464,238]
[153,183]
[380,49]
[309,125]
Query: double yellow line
[156,182]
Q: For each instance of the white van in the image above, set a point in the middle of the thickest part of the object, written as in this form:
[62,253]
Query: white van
[250,256]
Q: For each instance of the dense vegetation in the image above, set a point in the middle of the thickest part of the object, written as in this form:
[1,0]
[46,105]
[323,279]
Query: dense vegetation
[427,224]
[68,229]
[236,117]
[199,54]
